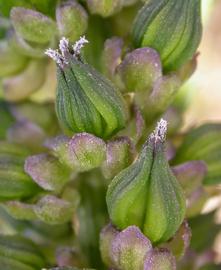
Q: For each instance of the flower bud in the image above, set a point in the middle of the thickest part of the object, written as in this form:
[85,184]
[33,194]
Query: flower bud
[179,244]
[72,20]
[32,26]
[190,175]
[160,259]
[162,95]
[11,60]
[20,86]
[19,253]
[203,143]
[105,8]
[111,56]
[86,101]
[173,28]
[82,152]
[53,210]
[130,249]
[47,172]
[26,133]
[140,69]
[120,153]
[14,182]
[147,194]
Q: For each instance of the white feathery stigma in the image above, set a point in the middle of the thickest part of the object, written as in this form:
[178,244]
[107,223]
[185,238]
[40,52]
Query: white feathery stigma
[62,56]
[79,45]
[159,133]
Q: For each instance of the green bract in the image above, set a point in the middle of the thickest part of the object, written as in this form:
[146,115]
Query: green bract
[172,27]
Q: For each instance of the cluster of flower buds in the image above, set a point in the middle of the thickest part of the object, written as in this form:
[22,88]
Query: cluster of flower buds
[68,167]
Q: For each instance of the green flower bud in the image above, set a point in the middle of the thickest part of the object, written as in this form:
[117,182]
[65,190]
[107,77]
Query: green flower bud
[130,249]
[11,60]
[120,153]
[14,182]
[171,27]
[162,95]
[33,26]
[160,259]
[86,101]
[140,69]
[147,194]
[20,86]
[47,172]
[19,253]
[180,242]
[105,8]
[81,153]
[53,210]
[203,143]
[26,133]
[111,56]
[72,20]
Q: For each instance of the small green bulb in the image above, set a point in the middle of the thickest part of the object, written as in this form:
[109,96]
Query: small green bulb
[86,101]
[171,27]
[147,194]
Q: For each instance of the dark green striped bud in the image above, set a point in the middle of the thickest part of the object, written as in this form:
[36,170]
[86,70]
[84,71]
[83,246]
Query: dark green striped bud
[172,27]
[14,182]
[147,194]
[19,253]
[86,101]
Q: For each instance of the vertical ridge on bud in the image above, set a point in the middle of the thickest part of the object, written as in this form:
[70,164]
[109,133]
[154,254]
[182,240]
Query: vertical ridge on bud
[147,194]
[172,27]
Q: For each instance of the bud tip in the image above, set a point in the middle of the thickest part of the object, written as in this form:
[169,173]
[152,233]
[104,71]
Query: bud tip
[159,133]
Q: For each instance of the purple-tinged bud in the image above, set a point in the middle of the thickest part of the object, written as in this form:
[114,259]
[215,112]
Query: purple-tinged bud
[190,175]
[86,151]
[120,154]
[68,256]
[72,20]
[130,248]
[162,95]
[203,143]
[111,56]
[20,210]
[179,244]
[33,27]
[20,86]
[47,172]
[27,133]
[105,8]
[124,250]
[107,237]
[82,152]
[160,259]
[53,210]
[140,69]
[196,201]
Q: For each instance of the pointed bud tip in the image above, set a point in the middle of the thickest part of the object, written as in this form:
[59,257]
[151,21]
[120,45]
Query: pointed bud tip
[63,55]
[159,134]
